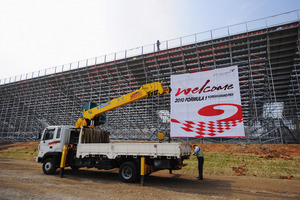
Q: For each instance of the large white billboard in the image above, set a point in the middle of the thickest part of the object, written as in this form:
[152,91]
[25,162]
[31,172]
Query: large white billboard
[206,104]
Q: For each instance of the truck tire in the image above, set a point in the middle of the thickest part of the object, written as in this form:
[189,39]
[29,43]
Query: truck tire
[49,166]
[128,172]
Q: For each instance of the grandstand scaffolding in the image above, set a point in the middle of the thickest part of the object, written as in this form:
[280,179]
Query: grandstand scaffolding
[266,51]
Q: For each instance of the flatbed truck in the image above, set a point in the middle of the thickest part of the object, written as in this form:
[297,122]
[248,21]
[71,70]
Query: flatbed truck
[84,146]
[132,158]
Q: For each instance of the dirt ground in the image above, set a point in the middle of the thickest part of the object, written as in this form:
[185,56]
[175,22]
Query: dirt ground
[23,179]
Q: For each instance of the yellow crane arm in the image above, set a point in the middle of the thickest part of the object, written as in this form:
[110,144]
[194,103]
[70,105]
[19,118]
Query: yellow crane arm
[144,91]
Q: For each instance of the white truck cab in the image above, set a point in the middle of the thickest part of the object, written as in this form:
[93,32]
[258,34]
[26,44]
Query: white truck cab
[53,139]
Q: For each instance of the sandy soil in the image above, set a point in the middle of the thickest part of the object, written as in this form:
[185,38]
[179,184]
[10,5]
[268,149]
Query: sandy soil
[22,179]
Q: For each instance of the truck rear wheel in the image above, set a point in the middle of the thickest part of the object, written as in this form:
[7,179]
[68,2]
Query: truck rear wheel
[49,166]
[128,172]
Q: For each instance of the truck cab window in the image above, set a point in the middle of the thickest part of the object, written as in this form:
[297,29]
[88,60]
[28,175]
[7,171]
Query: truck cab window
[49,133]
[58,133]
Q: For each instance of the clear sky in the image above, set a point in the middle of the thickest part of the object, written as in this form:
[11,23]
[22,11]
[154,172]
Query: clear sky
[39,34]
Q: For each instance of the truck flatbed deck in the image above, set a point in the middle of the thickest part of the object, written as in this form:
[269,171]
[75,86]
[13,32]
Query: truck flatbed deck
[153,150]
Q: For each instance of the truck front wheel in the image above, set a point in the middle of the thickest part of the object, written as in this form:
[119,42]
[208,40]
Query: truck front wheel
[128,172]
[49,166]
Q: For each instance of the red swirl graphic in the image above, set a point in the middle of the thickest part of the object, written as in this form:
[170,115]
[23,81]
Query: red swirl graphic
[219,118]
[210,110]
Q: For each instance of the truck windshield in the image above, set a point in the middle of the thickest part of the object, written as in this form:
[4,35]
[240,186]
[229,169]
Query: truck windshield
[49,133]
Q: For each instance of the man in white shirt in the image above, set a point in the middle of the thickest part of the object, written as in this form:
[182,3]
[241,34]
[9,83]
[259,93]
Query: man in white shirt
[199,153]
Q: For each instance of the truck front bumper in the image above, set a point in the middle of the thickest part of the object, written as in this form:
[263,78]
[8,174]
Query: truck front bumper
[38,159]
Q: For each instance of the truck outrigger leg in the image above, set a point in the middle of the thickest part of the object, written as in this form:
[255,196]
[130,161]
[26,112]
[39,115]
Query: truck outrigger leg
[142,170]
[63,160]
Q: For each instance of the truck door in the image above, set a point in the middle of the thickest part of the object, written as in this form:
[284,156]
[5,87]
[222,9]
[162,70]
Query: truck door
[50,141]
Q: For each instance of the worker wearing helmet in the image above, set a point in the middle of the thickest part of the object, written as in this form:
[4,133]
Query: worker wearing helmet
[199,153]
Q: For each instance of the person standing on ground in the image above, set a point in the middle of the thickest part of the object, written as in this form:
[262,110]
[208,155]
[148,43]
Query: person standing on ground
[199,153]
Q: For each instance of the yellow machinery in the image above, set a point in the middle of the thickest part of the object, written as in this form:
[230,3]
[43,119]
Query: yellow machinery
[90,115]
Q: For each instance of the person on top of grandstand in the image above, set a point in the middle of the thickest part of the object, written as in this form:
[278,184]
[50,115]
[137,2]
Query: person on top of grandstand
[158,44]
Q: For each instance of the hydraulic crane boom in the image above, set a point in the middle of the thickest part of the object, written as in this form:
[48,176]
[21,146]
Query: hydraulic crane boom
[145,90]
